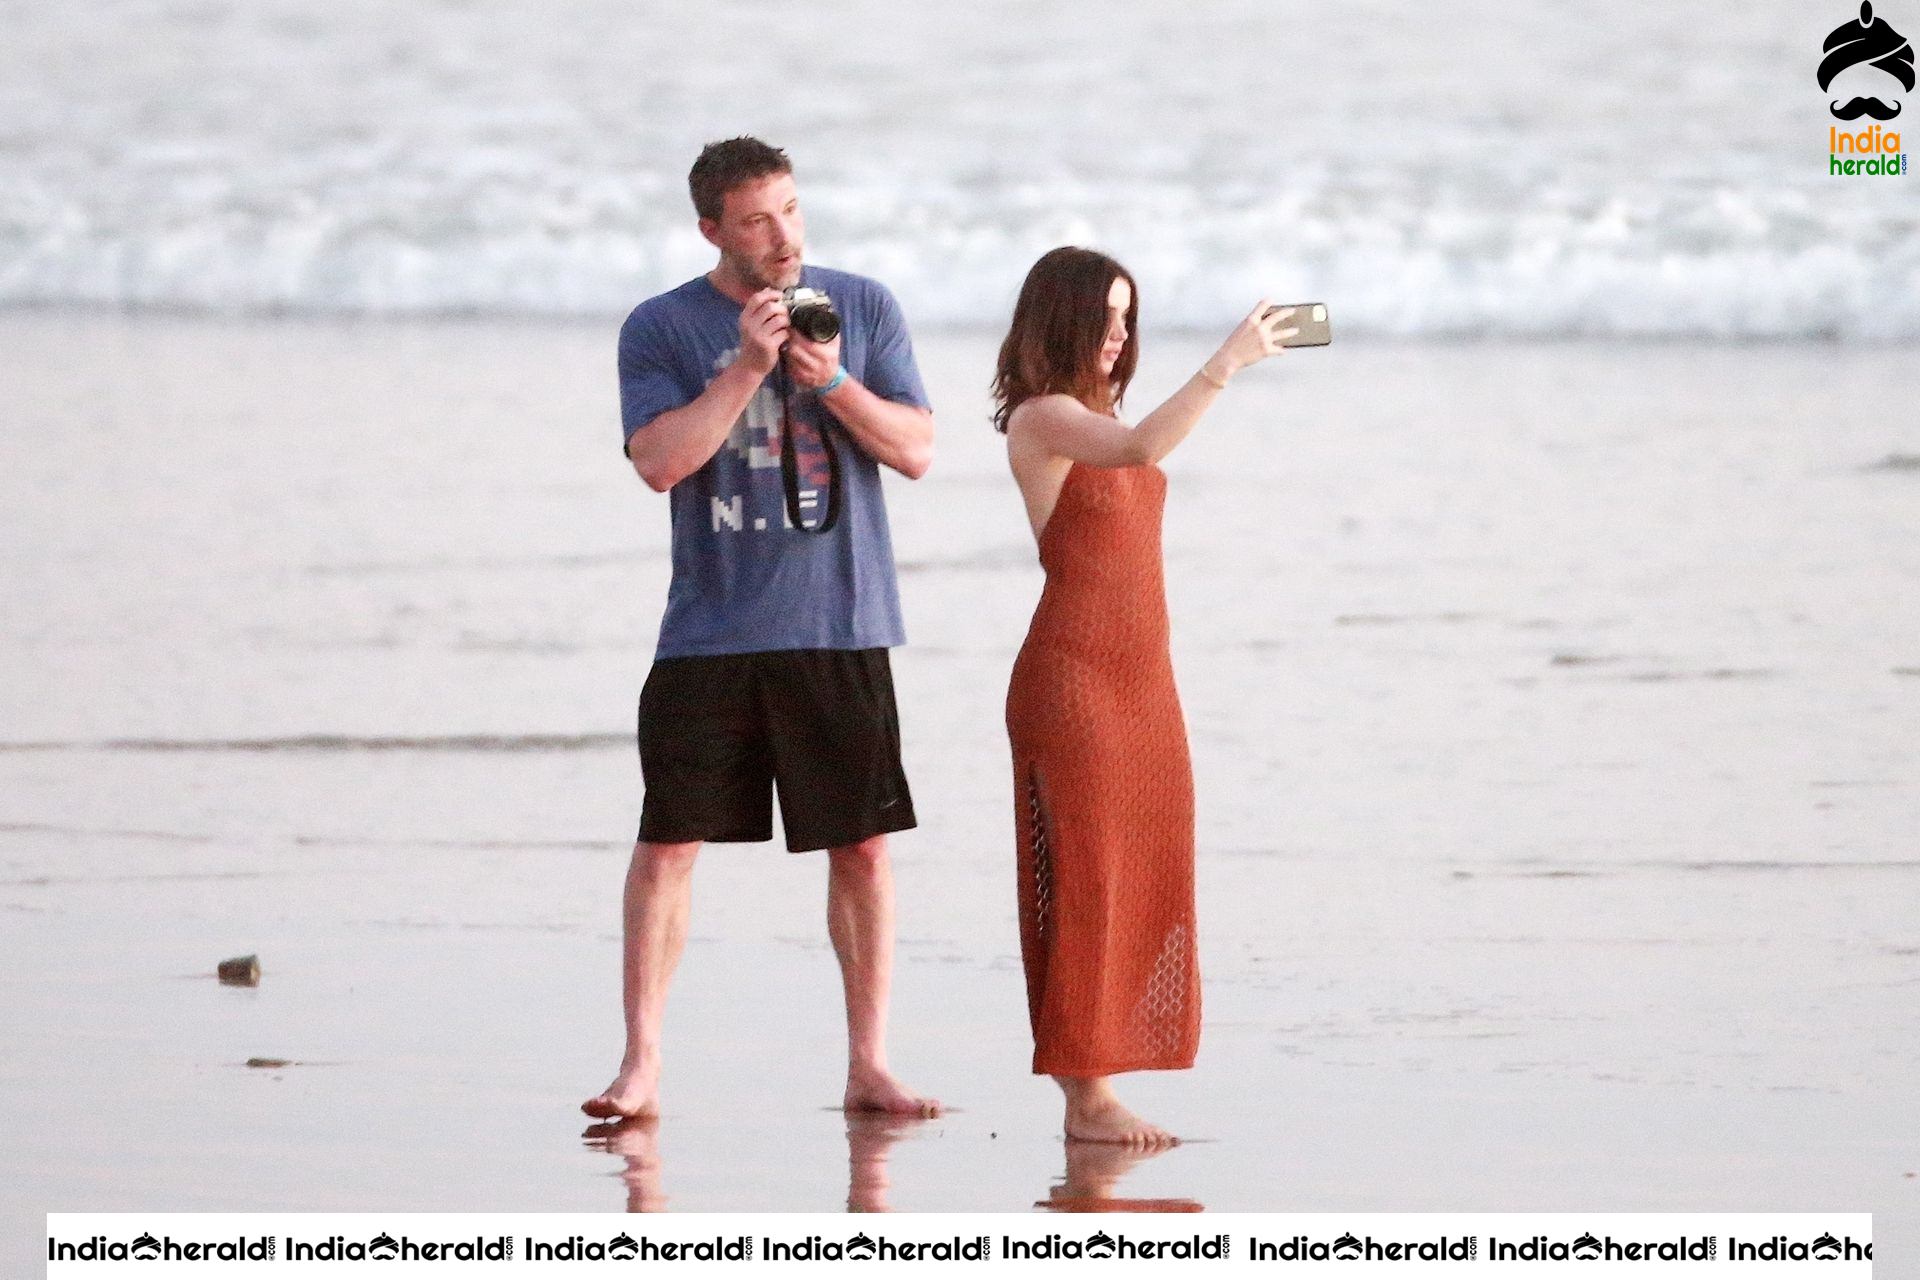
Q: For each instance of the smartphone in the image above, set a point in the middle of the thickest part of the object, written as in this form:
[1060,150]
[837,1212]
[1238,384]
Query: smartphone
[1310,318]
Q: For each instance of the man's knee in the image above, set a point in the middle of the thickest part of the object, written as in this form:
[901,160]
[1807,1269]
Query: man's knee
[867,858]
[664,862]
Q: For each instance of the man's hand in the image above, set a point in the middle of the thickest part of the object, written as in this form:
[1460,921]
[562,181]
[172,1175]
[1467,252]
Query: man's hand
[812,364]
[679,442]
[763,330]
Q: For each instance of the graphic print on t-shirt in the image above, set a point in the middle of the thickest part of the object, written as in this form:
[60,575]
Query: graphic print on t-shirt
[755,437]
[755,440]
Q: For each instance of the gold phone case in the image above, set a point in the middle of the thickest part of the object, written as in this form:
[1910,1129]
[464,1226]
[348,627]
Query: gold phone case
[1310,318]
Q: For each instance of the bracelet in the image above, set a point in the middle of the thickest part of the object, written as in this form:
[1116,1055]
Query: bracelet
[833,383]
[1208,378]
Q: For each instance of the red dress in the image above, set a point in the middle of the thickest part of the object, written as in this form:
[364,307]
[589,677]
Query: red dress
[1103,792]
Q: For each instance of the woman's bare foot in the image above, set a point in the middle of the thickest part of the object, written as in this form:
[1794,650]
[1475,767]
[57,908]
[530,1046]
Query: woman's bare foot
[634,1092]
[875,1089]
[1094,1114]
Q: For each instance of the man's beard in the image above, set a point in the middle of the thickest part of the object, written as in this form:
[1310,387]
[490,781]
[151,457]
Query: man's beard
[762,275]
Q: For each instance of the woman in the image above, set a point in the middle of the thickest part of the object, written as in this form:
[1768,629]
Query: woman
[1103,790]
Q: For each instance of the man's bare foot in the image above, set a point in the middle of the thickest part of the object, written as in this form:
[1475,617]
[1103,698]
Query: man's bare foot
[634,1092]
[877,1090]
[1094,1114]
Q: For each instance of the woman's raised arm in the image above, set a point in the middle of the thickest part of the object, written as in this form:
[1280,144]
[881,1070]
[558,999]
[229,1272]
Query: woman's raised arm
[1060,426]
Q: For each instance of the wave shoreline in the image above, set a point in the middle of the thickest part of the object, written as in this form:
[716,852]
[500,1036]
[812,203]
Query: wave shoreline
[344,318]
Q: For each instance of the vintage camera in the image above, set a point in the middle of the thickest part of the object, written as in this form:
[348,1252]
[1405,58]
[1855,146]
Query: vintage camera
[811,313]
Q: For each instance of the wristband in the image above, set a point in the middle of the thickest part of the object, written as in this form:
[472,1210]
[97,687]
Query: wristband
[833,383]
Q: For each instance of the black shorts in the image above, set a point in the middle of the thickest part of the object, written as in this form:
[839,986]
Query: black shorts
[717,735]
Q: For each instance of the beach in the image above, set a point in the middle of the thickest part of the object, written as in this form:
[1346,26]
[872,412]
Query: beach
[1552,709]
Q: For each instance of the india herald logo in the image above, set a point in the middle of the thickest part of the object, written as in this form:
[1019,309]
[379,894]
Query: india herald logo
[1860,58]
[1872,43]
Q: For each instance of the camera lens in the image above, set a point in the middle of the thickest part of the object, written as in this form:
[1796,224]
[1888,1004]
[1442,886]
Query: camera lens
[817,322]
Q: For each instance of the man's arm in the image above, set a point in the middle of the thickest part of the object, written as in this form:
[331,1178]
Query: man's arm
[893,434]
[896,435]
[675,444]
[678,443]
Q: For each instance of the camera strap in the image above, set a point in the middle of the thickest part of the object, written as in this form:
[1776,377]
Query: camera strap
[790,468]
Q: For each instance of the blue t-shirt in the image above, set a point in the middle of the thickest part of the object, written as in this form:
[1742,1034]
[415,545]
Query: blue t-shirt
[745,580]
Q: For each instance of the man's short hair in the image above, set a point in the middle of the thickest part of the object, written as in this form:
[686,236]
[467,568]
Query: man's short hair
[722,166]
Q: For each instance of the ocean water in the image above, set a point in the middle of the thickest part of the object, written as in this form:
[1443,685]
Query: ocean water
[1465,168]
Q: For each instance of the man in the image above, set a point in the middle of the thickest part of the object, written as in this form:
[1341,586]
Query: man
[772,664]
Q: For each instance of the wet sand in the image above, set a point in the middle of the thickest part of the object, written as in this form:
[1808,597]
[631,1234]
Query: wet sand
[1553,713]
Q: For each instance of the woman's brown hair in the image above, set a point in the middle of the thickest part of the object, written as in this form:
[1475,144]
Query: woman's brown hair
[1059,326]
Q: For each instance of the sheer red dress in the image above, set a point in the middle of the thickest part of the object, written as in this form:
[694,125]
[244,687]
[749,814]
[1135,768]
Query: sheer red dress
[1103,792]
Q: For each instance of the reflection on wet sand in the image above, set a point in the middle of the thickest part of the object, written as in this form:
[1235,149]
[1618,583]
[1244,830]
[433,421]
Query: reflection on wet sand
[637,1141]
[1094,1170]
[870,1136]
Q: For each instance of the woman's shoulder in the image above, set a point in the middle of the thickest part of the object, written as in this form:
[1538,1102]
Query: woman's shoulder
[1051,405]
